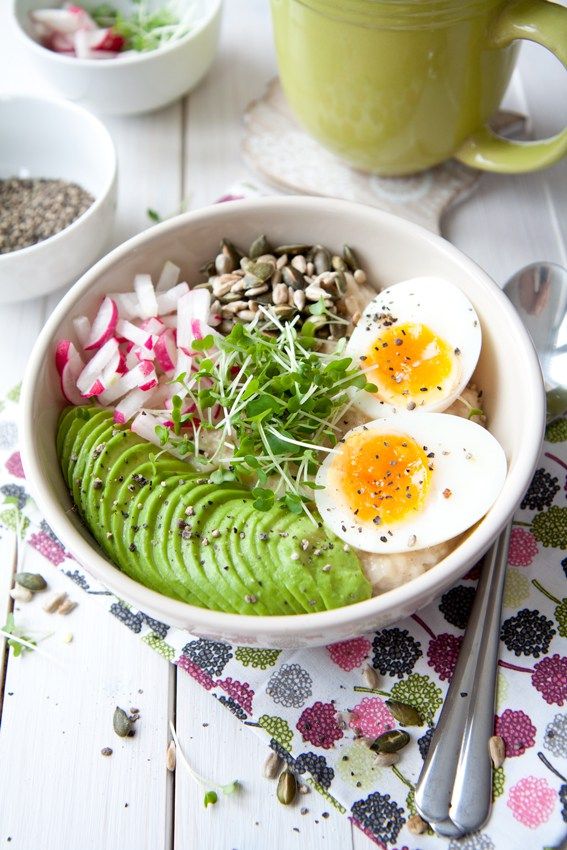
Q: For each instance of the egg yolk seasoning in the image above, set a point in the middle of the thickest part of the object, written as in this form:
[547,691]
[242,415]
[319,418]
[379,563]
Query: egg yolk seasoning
[411,362]
[383,478]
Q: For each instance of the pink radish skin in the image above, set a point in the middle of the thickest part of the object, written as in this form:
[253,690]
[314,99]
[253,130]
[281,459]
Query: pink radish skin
[142,373]
[166,350]
[94,367]
[69,365]
[131,404]
[96,389]
[104,325]
[127,330]
[153,326]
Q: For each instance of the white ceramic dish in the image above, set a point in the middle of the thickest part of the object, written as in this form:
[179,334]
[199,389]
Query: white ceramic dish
[127,85]
[391,249]
[45,137]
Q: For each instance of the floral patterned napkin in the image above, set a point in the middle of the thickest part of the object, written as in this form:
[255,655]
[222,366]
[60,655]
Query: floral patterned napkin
[315,708]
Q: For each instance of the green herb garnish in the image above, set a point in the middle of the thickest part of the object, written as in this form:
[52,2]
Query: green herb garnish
[210,796]
[273,403]
[145,27]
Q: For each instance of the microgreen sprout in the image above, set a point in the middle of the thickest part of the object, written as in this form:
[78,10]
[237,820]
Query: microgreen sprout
[211,796]
[268,403]
[20,642]
[146,27]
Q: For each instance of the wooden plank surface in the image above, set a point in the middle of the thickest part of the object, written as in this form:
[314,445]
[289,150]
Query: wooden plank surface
[57,792]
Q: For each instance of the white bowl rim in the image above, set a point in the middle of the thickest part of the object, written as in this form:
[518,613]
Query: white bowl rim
[307,625]
[116,61]
[87,116]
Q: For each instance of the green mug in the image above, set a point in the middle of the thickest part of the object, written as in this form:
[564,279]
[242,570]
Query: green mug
[397,86]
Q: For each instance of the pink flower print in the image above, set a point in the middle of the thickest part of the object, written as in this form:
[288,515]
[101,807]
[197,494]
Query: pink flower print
[532,801]
[443,654]
[371,717]
[196,672]
[349,654]
[14,465]
[239,691]
[517,730]
[550,679]
[318,725]
[523,548]
[49,548]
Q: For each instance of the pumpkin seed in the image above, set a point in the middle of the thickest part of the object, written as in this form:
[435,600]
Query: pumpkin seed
[350,258]
[390,742]
[259,246]
[31,581]
[292,250]
[407,715]
[208,269]
[339,264]
[322,260]
[341,284]
[293,277]
[287,787]
[263,271]
[224,264]
[230,251]
[121,723]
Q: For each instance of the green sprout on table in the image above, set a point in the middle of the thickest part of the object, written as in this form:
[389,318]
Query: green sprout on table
[211,796]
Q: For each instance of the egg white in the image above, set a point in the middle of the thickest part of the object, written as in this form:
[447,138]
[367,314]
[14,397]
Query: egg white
[468,461]
[432,301]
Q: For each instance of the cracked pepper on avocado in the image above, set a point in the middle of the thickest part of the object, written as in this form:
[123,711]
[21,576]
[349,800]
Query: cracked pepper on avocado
[277,439]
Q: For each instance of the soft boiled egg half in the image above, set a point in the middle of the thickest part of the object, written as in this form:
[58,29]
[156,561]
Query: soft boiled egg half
[418,342]
[409,481]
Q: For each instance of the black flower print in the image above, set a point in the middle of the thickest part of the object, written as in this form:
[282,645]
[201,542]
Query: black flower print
[127,616]
[290,686]
[382,817]
[527,633]
[542,491]
[317,766]
[456,605]
[209,655]
[424,742]
[395,652]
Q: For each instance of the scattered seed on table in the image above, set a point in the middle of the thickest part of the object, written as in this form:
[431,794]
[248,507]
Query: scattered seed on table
[54,602]
[31,581]
[106,751]
[416,825]
[272,766]
[67,606]
[21,594]
[497,749]
[171,757]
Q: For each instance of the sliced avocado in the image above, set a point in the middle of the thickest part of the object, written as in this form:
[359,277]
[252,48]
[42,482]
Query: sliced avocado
[68,416]
[69,449]
[87,437]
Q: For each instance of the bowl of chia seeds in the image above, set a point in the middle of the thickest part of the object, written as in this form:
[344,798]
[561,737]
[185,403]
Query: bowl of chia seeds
[57,194]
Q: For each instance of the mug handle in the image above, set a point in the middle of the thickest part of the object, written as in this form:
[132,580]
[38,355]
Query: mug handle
[545,23]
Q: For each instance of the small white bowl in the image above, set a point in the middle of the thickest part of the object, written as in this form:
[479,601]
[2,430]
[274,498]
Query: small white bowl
[139,82]
[44,137]
[391,249]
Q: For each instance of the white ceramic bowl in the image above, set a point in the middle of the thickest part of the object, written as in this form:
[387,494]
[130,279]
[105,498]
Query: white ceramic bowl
[43,137]
[140,82]
[391,249]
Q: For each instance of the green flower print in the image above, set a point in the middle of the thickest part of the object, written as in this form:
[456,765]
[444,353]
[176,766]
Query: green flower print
[421,692]
[259,659]
[516,589]
[278,729]
[356,766]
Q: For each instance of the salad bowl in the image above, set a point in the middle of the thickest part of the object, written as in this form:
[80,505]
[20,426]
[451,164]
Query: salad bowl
[131,84]
[391,250]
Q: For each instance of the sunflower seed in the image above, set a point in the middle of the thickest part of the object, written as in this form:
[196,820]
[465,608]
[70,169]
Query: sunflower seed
[245,315]
[416,825]
[171,757]
[220,289]
[279,295]
[257,290]
[259,246]
[300,263]
[359,277]
[339,264]
[272,766]
[371,677]
[314,293]
[54,601]
[386,759]
[234,307]
[21,594]
[238,286]
[67,606]
[310,268]
[299,299]
[282,261]
[497,749]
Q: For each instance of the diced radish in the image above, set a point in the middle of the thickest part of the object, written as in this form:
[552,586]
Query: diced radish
[131,404]
[192,311]
[144,425]
[144,289]
[82,329]
[153,325]
[142,353]
[60,42]
[143,373]
[122,367]
[96,388]
[126,329]
[163,394]
[170,321]
[150,385]
[131,360]
[69,364]
[168,277]
[166,350]
[110,372]
[62,21]
[127,303]
[104,325]
[167,301]
[109,41]
[94,367]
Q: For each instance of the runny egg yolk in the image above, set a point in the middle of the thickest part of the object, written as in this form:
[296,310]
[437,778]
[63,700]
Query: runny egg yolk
[384,478]
[411,361]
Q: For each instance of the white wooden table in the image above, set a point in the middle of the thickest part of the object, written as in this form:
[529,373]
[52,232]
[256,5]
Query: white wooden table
[56,790]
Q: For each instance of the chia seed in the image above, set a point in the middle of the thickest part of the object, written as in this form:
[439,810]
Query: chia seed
[32,210]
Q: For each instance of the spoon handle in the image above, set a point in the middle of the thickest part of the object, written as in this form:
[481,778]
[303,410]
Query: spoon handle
[456,779]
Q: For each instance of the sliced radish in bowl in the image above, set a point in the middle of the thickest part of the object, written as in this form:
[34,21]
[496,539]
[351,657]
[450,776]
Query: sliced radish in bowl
[104,325]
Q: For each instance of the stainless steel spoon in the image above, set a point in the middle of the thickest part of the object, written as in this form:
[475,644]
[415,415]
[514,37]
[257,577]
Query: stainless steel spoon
[454,791]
